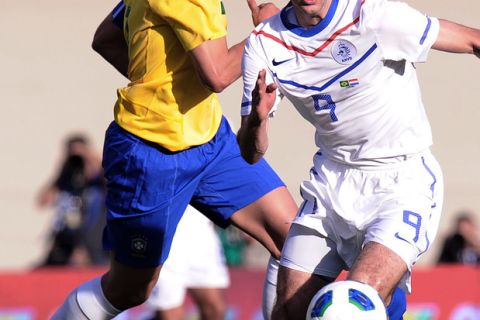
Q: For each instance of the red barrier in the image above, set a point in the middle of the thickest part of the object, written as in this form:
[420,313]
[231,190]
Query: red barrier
[440,293]
[445,293]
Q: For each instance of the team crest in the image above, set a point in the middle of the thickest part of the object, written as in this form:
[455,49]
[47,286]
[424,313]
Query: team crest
[343,51]
[138,245]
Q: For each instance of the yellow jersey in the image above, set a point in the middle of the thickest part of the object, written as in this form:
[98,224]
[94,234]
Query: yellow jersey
[165,101]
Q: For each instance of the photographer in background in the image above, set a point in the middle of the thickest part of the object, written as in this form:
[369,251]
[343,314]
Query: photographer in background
[463,245]
[77,192]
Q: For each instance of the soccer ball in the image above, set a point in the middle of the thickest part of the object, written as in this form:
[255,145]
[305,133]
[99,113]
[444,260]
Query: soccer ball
[347,300]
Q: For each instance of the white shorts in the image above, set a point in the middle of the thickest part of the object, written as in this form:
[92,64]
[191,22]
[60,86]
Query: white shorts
[344,208]
[196,260]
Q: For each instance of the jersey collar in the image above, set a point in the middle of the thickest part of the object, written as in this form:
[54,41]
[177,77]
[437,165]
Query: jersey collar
[301,31]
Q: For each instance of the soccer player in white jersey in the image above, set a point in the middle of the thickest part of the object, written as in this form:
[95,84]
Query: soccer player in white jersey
[373,201]
[202,272]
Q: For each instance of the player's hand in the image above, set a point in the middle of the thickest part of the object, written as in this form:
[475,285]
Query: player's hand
[262,11]
[263,97]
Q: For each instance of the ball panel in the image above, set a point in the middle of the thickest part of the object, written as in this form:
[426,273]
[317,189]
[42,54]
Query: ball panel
[347,300]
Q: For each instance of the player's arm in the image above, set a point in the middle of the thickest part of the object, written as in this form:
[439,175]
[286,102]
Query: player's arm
[253,134]
[457,38]
[218,65]
[109,40]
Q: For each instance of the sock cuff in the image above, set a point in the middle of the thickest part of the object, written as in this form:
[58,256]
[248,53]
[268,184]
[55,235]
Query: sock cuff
[90,298]
[398,305]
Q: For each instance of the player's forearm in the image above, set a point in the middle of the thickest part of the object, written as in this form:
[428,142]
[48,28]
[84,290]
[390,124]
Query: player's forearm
[217,65]
[253,138]
[457,38]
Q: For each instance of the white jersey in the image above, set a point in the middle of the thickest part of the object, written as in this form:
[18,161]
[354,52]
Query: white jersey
[352,76]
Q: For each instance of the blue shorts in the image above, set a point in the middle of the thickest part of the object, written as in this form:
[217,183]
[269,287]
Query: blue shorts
[149,188]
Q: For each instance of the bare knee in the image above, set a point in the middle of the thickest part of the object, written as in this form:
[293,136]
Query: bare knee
[295,290]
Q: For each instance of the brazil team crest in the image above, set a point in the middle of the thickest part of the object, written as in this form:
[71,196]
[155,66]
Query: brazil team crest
[343,51]
[138,245]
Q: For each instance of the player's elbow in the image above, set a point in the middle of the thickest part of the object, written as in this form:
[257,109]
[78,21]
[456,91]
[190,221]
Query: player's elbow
[252,157]
[215,84]
[219,87]
[215,79]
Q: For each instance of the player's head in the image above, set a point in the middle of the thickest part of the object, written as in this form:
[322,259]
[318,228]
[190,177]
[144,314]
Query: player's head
[310,12]
[465,223]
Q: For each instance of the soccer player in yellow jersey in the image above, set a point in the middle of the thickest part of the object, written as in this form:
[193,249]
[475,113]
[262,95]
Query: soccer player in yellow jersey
[170,146]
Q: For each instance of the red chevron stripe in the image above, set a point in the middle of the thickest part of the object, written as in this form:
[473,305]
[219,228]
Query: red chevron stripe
[316,51]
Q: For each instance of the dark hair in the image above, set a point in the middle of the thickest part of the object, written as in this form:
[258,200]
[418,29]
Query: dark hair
[464,216]
[75,138]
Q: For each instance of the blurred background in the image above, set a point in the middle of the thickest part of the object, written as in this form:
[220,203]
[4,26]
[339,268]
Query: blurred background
[54,85]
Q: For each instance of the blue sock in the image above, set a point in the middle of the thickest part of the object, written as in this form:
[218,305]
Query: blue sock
[398,305]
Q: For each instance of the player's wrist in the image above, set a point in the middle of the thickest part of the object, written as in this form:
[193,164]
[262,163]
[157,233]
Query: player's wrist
[255,120]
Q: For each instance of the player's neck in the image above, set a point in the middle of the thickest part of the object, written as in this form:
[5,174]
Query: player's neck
[309,16]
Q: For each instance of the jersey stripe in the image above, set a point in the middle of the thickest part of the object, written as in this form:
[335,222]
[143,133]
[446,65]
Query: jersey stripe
[316,51]
[334,79]
[427,29]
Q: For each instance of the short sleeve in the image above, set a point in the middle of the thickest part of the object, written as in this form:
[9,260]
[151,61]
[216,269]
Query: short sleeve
[253,61]
[401,32]
[117,14]
[193,21]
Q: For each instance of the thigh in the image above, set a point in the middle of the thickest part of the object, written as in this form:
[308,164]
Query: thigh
[268,219]
[379,267]
[309,261]
[309,251]
[148,189]
[406,222]
[143,241]
[252,196]
[229,183]
[141,176]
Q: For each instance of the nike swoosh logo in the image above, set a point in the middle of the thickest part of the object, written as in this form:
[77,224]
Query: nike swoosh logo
[276,63]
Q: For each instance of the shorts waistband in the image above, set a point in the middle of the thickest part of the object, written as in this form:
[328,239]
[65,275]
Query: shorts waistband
[376,164]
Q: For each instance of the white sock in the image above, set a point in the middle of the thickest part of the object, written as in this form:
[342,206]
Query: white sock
[87,302]
[270,288]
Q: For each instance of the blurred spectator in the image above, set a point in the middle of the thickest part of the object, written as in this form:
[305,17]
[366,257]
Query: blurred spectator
[463,245]
[234,242]
[77,193]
